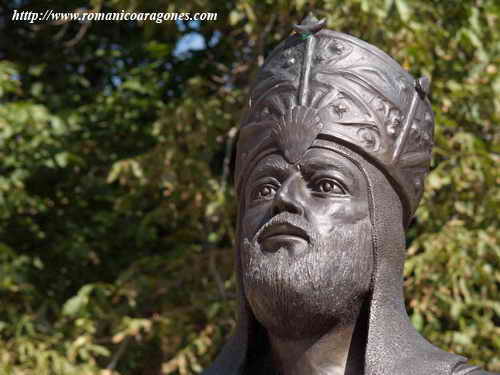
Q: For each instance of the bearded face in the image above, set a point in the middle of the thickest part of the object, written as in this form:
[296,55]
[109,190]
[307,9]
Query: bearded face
[306,243]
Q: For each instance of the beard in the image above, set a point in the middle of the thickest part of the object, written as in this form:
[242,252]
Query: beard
[306,295]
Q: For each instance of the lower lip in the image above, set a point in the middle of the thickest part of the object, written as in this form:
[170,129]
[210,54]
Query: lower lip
[284,237]
[292,243]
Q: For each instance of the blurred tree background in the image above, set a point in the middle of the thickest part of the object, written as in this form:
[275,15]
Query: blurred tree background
[116,199]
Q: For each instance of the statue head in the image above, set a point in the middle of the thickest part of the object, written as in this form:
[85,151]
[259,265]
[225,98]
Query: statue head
[324,85]
[331,158]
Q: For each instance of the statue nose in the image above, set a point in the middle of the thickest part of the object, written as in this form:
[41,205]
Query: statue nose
[289,197]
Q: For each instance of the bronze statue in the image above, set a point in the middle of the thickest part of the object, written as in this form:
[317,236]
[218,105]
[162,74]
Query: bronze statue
[330,164]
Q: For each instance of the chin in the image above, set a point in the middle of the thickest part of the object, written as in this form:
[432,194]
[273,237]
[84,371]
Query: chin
[299,290]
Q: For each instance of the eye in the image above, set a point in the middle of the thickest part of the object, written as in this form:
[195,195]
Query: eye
[265,191]
[329,186]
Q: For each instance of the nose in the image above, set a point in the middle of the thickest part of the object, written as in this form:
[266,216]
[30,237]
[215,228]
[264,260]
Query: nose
[289,197]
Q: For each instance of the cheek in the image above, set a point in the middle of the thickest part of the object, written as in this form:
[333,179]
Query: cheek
[330,215]
[254,218]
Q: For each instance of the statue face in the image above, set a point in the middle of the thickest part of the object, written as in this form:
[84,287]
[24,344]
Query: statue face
[306,242]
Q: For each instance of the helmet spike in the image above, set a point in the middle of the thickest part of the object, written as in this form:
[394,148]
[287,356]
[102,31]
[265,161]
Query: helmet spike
[309,26]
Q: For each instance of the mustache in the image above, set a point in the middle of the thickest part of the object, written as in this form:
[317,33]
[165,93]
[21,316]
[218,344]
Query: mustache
[289,219]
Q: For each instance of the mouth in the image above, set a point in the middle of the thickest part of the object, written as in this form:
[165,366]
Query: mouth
[284,232]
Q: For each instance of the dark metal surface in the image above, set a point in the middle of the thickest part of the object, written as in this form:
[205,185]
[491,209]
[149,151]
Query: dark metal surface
[331,159]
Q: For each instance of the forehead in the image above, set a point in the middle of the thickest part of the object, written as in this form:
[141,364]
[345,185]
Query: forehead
[314,158]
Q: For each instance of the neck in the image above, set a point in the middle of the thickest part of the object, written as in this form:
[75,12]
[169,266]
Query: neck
[326,355]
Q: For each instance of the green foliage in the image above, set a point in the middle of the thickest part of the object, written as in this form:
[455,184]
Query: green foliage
[116,202]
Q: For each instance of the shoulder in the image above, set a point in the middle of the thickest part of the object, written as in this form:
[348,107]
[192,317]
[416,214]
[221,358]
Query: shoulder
[465,369]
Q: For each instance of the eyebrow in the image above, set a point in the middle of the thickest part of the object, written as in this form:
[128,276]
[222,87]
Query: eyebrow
[270,167]
[317,164]
[280,169]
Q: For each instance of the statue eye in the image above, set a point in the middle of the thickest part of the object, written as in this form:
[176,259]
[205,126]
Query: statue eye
[265,191]
[329,186]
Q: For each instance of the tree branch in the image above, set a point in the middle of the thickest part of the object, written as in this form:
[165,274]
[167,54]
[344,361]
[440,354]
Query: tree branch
[119,353]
